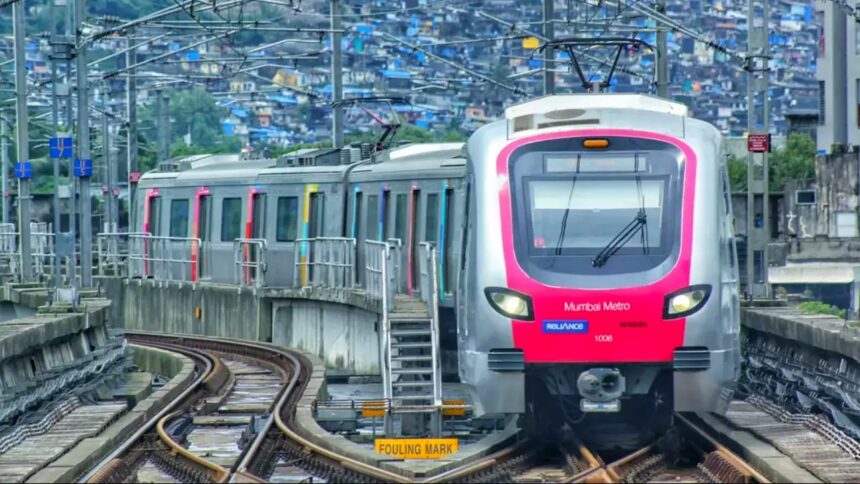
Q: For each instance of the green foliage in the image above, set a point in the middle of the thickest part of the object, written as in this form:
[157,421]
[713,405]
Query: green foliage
[194,111]
[224,144]
[795,162]
[818,307]
[737,174]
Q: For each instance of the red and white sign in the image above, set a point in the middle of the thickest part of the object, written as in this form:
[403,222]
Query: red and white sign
[758,143]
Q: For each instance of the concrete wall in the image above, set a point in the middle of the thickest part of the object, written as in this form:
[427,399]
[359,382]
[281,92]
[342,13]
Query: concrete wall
[340,327]
[344,337]
[171,307]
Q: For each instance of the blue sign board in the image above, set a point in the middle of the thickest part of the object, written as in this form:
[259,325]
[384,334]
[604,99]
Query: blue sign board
[83,168]
[61,147]
[24,171]
[565,326]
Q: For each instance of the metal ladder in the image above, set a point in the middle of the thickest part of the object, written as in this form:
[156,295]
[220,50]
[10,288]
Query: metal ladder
[412,376]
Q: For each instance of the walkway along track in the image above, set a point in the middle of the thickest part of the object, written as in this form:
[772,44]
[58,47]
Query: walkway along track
[278,435]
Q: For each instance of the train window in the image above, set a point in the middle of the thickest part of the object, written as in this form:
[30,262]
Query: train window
[372,224]
[356,215]
[154,220]
[231,219]
[316,214]
[387,214]
[413,237]
[179,218]
[431,227]
[450,260]
[400,219]
[287,224]
[258,227]
[203,229]
[466,227]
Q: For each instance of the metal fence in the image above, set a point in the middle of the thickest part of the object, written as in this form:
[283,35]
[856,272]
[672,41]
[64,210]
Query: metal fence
[429,286]
[380,272]
[249,262]
[325,262]
[161,257]
[42,247]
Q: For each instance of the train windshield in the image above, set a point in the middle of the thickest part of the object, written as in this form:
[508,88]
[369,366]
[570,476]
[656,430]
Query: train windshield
[584,214]
[573,204]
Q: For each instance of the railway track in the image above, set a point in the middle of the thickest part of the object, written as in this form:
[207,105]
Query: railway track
[235,423]
[703,459]
[239,384]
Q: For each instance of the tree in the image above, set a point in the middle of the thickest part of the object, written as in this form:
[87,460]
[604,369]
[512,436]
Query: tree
[794,162]
[195,111]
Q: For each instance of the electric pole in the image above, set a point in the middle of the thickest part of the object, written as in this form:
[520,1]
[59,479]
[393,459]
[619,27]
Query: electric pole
[23,168]
[85,163]
[110,201]
[662,56]
[336,75]
[758,233]
[163,114]
[131,133]
[4,159]
[55,118]
[549,52]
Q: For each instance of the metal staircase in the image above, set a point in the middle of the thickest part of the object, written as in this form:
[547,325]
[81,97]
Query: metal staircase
[412,376]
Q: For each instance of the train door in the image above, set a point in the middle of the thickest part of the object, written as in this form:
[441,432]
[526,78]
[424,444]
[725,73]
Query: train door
[152,226]
[414,248]
[313,228]
[200,232]
[255,228]
[446,243]
[385,213]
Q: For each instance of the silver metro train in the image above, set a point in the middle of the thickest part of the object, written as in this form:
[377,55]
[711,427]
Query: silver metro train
[586,256]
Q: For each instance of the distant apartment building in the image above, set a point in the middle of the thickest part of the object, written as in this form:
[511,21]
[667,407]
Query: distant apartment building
[838,75]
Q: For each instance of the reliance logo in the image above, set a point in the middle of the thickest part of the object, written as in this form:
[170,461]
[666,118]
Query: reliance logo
[596,307]
[561,326]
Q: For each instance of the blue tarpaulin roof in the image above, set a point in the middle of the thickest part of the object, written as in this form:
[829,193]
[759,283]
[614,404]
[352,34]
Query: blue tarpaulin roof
[392,74]
[284,99]
[239,113]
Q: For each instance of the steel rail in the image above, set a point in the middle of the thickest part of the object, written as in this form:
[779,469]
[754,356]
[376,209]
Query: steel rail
[737,462]
[280,408]
[152,422]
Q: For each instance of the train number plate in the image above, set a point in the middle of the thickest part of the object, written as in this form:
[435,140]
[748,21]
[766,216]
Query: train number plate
[604,407]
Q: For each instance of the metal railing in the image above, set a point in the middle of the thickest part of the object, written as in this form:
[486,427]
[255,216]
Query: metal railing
[42,247]
[249,262]
[162,257]
[325,262]
[429,285]
[380,273]
[9,258]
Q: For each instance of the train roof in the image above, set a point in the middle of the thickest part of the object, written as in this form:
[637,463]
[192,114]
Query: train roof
[410,158]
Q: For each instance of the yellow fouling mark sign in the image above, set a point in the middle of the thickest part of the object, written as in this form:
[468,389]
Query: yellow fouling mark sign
[417,448]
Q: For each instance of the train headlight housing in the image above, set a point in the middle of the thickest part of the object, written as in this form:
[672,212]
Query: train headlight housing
[510,304]
[686,301]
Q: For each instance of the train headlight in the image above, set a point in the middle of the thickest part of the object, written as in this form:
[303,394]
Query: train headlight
[510,303]
[686,301]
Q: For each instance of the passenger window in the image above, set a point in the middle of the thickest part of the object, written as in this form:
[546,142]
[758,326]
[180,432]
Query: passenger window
[387,213]
[154,220]
[179,218]
[231,219]
[431,227]
[400,219]
[356,215]
[288,219]
[372,217]
[450,260]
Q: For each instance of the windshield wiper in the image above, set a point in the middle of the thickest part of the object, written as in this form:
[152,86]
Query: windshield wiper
[624,236]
